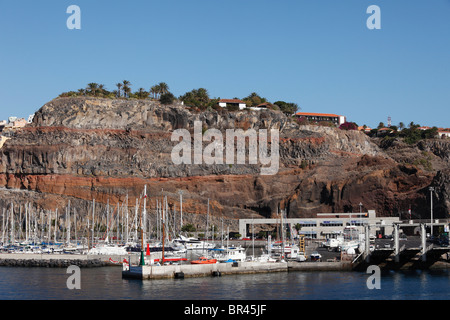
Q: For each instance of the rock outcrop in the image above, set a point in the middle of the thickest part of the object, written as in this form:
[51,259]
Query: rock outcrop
[102,149]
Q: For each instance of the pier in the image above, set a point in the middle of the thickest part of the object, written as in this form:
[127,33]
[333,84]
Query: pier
[219,269]
[395,253]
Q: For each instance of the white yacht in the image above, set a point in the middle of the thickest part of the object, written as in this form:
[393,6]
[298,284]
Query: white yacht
[193,243]
[108,249]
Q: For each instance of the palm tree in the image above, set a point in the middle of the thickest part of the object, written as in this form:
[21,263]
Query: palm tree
[401,125]
[92,88]
[119,89]
[154,91]
[157,90]
[101,89]
[142,94]
[126,88]
[163,87]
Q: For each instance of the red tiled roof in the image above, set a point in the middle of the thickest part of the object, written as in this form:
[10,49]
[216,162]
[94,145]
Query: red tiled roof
[265,104]
[316,114]
[231,101]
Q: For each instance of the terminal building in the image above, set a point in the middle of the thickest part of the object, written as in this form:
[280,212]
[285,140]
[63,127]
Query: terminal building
[327,225]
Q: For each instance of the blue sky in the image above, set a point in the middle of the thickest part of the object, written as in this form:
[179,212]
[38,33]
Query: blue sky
[319,54]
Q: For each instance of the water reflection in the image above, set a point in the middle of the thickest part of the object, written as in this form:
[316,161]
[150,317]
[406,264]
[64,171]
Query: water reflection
[107,283]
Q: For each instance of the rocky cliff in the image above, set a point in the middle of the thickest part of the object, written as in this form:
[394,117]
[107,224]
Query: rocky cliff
[88,148]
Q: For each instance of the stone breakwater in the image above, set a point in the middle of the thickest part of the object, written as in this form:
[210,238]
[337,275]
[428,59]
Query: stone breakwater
[56,261]
[52,263]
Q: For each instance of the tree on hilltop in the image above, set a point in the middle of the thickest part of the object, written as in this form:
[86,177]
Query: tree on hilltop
[287,107]
[198,98]
[119,89]
[155,91]
[254,99]
[92,88]
[163,88]
[167,98]
[141,94]
[126,88]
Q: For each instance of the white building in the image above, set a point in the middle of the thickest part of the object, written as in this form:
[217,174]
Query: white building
[444,133]
[326,225]
[232,102]
[321,117]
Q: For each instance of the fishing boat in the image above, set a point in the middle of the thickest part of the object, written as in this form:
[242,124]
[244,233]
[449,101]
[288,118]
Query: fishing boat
[229,254]
[289,251]
[353,240]
[204,260]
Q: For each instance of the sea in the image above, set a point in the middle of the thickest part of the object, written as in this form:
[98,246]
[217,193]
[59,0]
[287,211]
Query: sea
[106,283]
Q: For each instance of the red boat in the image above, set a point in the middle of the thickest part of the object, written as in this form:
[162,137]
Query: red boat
[204,260]
[171,259]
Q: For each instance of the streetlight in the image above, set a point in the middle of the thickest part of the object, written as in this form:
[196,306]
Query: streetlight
[360,211]
[431,208]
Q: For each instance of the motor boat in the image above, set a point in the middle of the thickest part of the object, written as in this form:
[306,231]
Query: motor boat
[204,260]
[315,256]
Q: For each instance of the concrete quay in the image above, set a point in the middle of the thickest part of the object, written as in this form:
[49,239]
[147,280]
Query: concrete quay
[219,269]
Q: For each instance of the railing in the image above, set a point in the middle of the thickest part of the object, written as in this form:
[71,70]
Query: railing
[357,257]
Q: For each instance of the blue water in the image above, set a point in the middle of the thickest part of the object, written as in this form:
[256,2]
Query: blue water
[107,284]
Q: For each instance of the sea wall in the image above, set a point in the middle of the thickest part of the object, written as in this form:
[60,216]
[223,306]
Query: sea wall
[59,260]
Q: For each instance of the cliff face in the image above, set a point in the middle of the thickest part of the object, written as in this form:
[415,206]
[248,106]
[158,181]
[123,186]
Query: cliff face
[86,148]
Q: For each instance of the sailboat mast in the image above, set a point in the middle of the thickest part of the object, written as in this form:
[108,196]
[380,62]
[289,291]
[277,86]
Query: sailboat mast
[163,234]
[12,223]
[117,223]
[49,226]
[93,221]
[107,221]
[26,223]
[56,221]
[144,222]
[181,209]
[3,227]
[68,223]
[135,220]
[127,227]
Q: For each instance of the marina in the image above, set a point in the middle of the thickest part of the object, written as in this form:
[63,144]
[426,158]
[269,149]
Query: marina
[349,242]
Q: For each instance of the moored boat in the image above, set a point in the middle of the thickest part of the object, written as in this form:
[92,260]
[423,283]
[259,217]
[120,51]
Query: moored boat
[204,260]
